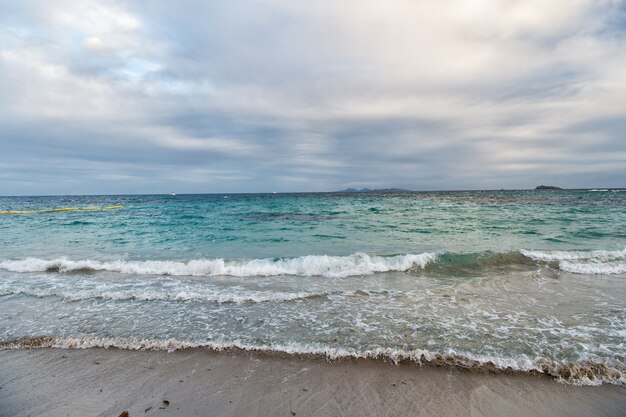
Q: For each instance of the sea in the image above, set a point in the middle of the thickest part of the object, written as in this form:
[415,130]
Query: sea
[490,281]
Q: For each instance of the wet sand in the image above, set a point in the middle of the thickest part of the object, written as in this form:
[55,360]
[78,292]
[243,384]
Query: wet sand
[107,382]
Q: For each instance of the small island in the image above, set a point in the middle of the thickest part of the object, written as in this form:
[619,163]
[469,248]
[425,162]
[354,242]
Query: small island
[547,187]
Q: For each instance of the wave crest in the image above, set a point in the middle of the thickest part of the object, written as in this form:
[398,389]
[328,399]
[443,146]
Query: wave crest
[600,262]
[312,265]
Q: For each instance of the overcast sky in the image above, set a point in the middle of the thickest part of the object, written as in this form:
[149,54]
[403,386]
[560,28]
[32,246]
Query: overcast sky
[283,95]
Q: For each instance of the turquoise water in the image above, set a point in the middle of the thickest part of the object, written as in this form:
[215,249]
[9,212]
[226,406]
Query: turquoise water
[527,280]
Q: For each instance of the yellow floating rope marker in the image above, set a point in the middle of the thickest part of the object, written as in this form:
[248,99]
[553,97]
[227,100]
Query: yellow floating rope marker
[62,209]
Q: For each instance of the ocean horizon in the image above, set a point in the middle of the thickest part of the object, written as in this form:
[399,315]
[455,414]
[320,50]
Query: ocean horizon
[343,191]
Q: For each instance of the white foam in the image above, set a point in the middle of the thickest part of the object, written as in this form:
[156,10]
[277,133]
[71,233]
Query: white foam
[600,255]
[609,268]
[597,374]
[599,262]
[155,295]
[312,265]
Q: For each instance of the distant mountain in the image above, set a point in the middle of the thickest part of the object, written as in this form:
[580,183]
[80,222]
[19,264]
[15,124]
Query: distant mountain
[547,187]
[375,190]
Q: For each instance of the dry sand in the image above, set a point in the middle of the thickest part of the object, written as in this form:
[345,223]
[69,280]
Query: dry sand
[100,382]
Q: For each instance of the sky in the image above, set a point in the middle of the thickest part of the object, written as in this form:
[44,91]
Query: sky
[112,97]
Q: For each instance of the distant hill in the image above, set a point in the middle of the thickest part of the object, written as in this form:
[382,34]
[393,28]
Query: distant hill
[547,187]
[375,190]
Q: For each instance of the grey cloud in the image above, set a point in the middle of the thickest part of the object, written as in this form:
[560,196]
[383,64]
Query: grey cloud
[270,95]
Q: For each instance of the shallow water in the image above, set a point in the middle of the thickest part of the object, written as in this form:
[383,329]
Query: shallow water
[531,281]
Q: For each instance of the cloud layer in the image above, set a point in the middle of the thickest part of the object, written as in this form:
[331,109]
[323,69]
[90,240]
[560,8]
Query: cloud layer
[264,95]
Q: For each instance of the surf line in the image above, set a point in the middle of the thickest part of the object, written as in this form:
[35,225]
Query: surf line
[54,210]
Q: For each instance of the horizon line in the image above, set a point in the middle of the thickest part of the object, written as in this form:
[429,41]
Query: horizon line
[357,191]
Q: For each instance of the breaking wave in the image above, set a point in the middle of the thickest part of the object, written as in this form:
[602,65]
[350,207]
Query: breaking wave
[312,265]
[600,262]
[588,372]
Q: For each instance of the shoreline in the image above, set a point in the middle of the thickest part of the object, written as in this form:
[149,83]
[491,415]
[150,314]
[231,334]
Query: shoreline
[200,382]
[588,373]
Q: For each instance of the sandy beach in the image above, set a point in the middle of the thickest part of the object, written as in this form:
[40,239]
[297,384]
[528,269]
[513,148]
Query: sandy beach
[107,382]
